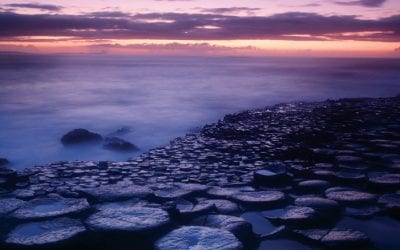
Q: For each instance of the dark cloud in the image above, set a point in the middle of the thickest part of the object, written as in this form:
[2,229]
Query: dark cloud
[229,10]
[179,26]
[108,14]
[366,3]
[48,7]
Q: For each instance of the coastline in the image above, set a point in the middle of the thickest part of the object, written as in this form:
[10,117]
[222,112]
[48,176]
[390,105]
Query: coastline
[281,157]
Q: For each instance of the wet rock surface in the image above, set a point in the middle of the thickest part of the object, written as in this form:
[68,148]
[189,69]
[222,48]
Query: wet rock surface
[293,171]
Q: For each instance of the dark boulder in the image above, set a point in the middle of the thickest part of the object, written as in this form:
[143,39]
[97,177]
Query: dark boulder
[3,162]
[80,135]
[118,144]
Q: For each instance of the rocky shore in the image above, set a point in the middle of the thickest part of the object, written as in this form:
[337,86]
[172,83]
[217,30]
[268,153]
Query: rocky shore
[292,176]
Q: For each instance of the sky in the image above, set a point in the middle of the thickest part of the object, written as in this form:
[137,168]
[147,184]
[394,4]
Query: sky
[350,28]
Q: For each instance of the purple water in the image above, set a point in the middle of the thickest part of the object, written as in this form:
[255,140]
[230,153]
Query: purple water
[158,98]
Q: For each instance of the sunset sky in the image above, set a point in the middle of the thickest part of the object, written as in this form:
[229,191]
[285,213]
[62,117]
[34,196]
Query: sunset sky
[203,27]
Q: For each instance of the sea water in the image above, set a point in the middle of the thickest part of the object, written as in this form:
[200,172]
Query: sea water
[155,99]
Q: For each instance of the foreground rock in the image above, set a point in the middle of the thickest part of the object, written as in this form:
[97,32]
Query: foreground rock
[294,171]
[7,205]
[345,238]
[115,192]
[195,237]
[55,233]
[80,135]
[262,199]
[236,225]
[50,207]
[135,219]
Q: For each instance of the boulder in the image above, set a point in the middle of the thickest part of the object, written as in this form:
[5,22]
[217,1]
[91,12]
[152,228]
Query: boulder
[80,135]
[197,237]
[3,162]
[118,144]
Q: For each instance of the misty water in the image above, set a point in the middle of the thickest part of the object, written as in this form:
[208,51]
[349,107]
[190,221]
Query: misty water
[158,98]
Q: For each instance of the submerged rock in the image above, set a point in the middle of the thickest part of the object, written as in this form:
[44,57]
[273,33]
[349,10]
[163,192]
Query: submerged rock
[196,237]
[118,144]
[50,207]
[53,233]
[80,135]
[134,219]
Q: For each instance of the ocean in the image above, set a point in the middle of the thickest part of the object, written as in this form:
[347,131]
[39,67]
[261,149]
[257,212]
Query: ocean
[156,99]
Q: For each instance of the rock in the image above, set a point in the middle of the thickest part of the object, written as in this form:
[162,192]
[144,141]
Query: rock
[196,237]
[299,216]
[391,202]
[261,198]
[45,233]
[322,205]
[271,176]
[340,238]
[9,177]
[188,210]
[350,197]
[178,191]
[236,225]
[138,220]
[387,182]
[313,186]
[362,212]
[7,205]
[118,144]
[80,135]
[312,234]
[222,206]
[347,159]
[41,208]
[115,192]
[3,162]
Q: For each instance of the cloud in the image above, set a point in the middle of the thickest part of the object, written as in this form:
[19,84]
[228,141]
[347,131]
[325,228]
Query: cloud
[366,3]
[180,26]
[231,10]
[397,50]
[171,49]
[48,7]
